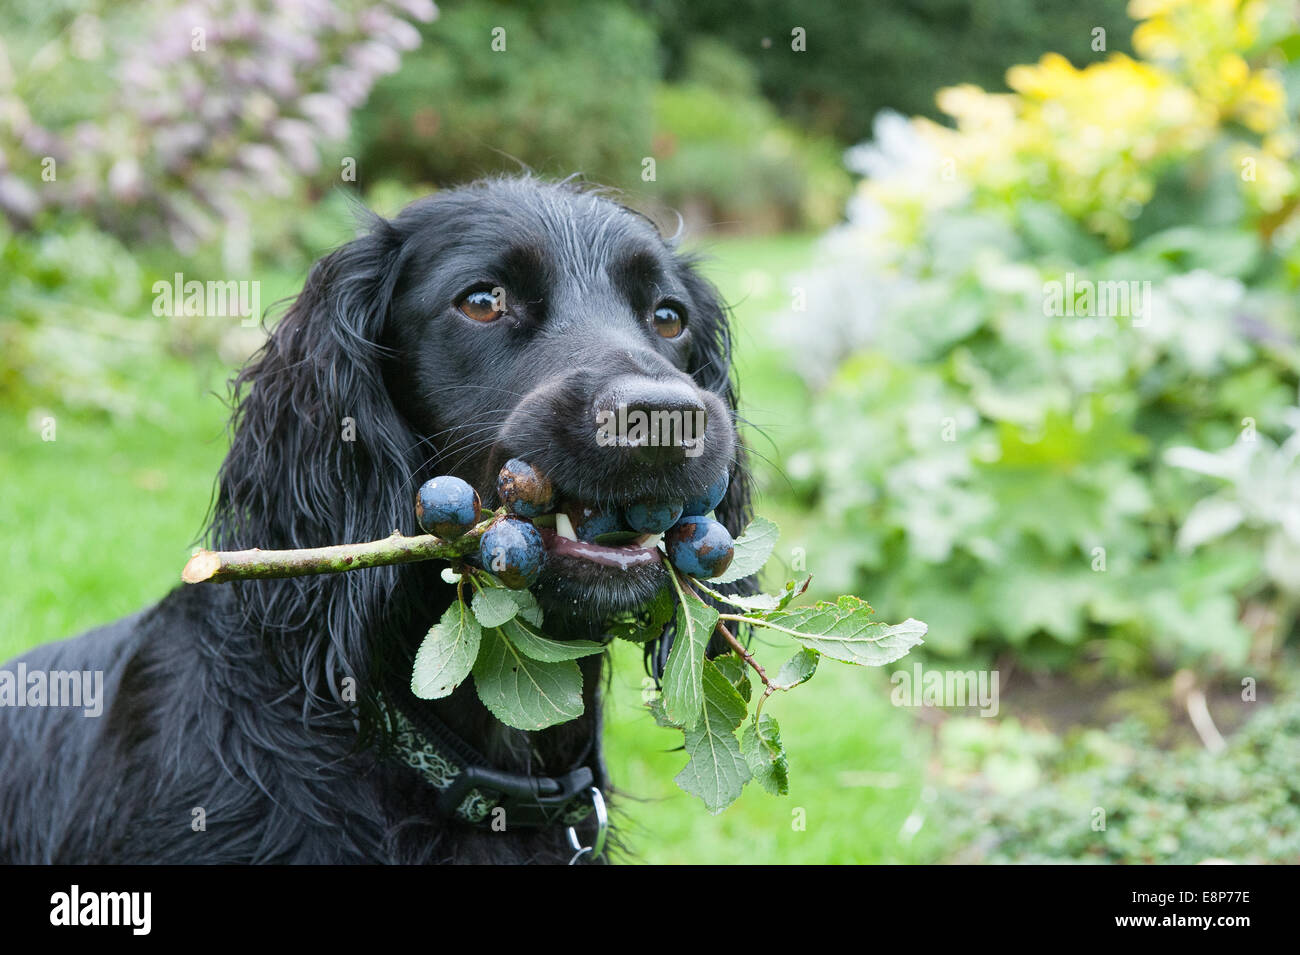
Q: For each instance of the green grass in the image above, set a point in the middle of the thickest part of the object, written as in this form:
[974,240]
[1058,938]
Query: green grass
[98,522]
[855,777]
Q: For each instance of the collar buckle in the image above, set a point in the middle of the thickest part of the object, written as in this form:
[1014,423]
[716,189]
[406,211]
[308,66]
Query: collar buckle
[528,801]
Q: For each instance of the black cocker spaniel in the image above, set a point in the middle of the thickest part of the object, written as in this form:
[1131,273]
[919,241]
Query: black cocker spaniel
[272,721]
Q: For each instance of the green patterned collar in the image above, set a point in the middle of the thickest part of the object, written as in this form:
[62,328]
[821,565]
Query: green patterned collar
[472,792]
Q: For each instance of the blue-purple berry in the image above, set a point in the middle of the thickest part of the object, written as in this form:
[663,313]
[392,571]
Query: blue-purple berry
[446,507]
[709,499]
[512,549]
[525,490]
[699,547]
[590,522]
[652,517]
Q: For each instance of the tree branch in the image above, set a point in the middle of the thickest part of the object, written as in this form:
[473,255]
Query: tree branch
[210,566]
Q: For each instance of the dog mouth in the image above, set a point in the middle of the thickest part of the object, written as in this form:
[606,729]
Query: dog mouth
[604,552]
[585,582]
[618,550]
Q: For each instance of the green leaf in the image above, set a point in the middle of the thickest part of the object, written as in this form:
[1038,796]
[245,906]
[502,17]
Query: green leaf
[760,602]
[525,693]
[528,608]
[683,691]
[752,601]
[799,668]
[736,670]
[656,707]
[531,642]
[753,548]
[447,654]
[647,623]
[793,588]
[1210,518]
[761,745]
[493,607]
[845,631]
[490,603]
[717,770]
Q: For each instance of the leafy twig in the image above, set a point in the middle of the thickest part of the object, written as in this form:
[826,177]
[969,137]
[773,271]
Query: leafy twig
[529,681]
[769,685]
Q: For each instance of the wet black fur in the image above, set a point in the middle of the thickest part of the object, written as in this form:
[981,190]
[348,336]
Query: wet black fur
[232,699]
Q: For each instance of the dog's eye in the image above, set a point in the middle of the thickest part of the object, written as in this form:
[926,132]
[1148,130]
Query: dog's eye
[483,305]
[668,321]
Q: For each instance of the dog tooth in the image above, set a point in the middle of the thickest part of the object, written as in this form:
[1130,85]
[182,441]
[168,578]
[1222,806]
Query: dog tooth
[650,540]
[564,526]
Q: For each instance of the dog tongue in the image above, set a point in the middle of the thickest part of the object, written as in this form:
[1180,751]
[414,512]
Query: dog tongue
[620,557]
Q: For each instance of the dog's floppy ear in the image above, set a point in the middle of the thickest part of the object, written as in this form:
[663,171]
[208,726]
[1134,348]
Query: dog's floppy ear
[710,366]
[319,455]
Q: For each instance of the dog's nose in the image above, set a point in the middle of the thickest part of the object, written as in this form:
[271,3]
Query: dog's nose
[658,421]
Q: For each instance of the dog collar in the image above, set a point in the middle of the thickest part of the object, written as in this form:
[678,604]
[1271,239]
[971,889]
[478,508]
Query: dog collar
[471,791]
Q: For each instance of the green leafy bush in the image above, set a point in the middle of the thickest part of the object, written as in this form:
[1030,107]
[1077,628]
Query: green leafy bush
[65,337]
[171,120]
[862,56]
[724,156]
[572,91]
[1025,312]
[577,89]
[1029,798]
[1256,503]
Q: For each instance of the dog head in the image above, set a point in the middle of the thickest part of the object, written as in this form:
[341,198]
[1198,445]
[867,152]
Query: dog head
[509,318]
[544,323]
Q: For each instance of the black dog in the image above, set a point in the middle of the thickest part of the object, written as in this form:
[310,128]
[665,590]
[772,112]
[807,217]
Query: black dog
[271,721]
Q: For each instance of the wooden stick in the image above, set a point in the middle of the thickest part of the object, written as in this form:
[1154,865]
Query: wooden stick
[211,566]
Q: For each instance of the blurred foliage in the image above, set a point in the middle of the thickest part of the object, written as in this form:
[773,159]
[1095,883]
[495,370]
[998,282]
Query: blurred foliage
[745,135]
[863,56]
[571,91]
[1021,498]
[724,157]
[136,141]
[1257,499]
[576,90]
[195,109]
[1015,795]
[63,295]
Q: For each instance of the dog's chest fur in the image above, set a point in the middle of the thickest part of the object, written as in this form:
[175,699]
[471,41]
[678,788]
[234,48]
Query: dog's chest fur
[202,755]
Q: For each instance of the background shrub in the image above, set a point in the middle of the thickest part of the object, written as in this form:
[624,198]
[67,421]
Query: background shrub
[991,460]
